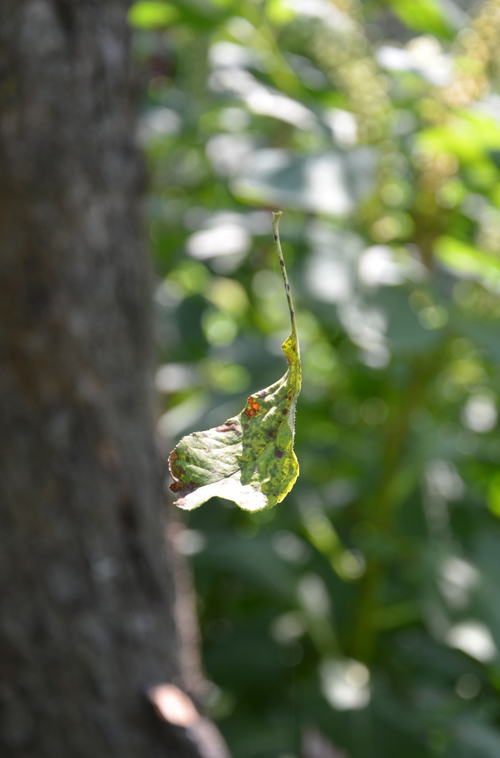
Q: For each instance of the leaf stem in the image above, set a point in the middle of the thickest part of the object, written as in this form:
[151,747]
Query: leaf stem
[276,220]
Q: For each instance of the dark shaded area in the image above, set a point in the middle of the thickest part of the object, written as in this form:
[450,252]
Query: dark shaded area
[87,593]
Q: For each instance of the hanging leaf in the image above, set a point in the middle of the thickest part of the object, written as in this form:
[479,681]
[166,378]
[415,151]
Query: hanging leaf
[249,459]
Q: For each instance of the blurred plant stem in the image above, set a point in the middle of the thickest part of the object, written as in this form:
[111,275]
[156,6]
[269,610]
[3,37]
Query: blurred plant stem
[192,83]
[397,472]
[395,482]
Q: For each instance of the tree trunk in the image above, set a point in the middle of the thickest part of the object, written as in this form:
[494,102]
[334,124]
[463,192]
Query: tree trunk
[86,620]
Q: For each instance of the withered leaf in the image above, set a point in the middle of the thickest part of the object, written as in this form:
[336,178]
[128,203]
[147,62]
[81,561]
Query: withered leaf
[248,459]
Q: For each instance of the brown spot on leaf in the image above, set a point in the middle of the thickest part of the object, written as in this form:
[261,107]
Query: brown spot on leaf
[229,427]
[175,470]
[245,426]
[278,453]
[272,433]
[284,411]
[253,407]
[184,489]
[177,473]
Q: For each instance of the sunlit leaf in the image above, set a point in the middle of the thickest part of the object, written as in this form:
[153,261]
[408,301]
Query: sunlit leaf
[468,261]
[248,459]
[423,16]
[150,14]
[470,136]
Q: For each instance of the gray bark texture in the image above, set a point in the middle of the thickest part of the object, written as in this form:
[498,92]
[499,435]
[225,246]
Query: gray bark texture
[86,583]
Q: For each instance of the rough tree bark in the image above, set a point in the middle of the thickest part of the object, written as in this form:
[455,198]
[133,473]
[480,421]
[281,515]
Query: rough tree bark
[86,591]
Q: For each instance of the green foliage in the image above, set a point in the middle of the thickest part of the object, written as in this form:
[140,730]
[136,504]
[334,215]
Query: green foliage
[364,608]
[148,15]
[423,16]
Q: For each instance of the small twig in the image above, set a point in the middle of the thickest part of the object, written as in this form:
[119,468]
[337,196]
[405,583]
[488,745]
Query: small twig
[276,220]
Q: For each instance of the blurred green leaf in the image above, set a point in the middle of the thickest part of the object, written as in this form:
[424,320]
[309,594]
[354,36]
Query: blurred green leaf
[468,261]
[426,16]
[148,14]
[469,136]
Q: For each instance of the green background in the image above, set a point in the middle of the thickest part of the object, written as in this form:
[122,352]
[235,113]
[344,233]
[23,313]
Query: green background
[361,615]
